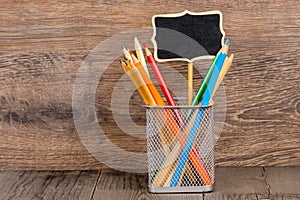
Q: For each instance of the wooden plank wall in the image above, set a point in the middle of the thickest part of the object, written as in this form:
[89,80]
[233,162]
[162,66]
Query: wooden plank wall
[42,45]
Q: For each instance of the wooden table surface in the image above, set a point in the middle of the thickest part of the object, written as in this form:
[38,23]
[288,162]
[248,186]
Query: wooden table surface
[42,46]
[270,183]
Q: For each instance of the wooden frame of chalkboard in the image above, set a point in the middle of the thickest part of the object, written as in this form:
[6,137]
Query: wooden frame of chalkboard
[174,15]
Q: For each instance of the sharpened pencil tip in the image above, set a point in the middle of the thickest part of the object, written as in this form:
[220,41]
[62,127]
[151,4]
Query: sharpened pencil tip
[145,46]
[137,44]
[227,42]
[122,61]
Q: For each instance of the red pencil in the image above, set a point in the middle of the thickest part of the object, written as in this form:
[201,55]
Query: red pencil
[161,81]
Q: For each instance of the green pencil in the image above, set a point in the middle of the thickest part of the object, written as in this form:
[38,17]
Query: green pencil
[202,87]
[204,83]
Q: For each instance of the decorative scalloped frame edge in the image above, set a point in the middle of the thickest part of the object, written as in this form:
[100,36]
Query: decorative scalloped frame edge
[179,15]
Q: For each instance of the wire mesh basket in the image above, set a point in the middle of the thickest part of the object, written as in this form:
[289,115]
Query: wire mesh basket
[180,148]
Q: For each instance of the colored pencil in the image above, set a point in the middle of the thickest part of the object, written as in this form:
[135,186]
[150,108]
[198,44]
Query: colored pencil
[194,131]
[127,54]
[146,95]
[161,81]
[223,72]
[149,83]
[212,82]
[139,83]
[140,54]
[199,95]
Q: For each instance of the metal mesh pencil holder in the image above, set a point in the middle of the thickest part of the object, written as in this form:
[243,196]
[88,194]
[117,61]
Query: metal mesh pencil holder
[180,148]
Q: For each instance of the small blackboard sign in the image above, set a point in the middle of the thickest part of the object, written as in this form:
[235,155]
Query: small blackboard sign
[187,36]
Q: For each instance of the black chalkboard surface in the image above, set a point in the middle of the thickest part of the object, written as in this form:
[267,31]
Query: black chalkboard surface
[187,36]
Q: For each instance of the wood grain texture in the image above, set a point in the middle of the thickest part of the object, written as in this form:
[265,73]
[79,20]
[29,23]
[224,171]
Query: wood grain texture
[47,185]
[231,183]
[278,197]
[118,185]
[283,180]
[42,45]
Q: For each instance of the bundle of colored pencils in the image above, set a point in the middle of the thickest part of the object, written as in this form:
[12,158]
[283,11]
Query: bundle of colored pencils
[136,69]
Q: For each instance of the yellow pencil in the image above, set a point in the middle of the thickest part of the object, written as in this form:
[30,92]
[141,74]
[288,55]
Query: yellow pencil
[145,93]
[167,117]
[127,54]
[159,100]
[140,55]
[139,83]
[223,72]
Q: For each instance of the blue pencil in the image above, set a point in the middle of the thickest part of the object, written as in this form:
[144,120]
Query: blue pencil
[214,77]
[205,101]
[187,148]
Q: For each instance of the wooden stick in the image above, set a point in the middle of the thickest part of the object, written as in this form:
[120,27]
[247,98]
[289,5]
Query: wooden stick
[190,83]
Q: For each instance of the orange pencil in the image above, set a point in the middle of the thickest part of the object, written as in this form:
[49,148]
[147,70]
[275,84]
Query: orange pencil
[145,93]
[148,81]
